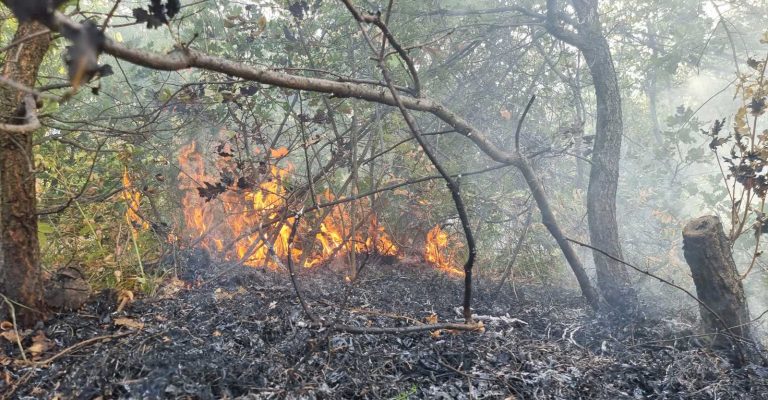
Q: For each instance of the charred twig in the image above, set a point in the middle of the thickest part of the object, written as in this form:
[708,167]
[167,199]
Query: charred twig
[79,345]
[12,312]
[376,20]
[291,236]
[520,123]
[515,252]
[478,327]
[452,185]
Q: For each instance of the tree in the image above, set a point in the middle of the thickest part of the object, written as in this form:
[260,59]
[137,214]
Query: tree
[588,37]
[89,42]
[20,277]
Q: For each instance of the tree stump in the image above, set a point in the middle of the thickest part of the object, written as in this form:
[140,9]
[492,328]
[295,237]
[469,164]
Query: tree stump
[708,253]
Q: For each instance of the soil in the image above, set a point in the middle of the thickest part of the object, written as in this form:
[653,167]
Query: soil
[235,332]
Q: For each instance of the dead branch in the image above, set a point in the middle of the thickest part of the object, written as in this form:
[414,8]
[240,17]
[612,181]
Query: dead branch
[479,327]
[79,345]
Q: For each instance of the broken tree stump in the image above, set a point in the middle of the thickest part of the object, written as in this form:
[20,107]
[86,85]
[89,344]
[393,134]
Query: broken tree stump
[708,253]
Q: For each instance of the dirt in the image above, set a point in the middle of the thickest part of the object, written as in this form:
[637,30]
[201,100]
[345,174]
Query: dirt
[232,332]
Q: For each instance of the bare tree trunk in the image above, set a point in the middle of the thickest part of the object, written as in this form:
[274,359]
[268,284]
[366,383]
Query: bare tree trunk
[20,278]
[612,277]
[708,253]
[588,37]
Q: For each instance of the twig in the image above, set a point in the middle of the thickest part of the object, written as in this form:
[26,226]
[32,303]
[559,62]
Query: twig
[79,345]
[31,122]
[291,236]
[12,311]
[405,329]
[520,123]
[453,187]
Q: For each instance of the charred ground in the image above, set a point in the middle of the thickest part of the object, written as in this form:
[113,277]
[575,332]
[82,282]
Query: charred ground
[241,332]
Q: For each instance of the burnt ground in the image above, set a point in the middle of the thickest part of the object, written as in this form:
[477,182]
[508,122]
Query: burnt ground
[241,334]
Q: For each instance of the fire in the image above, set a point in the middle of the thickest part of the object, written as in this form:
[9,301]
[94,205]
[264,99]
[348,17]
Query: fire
[438,253]
[132,198]
[335,235]
[238,223]
[229,224]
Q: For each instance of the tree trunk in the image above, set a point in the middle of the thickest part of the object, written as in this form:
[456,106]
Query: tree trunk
[20,278]
[708,253]
[588,37]
[612,276]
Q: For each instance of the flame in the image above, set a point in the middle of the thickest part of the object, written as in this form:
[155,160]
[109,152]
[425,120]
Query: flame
[438,253]
[229,225]
[335,235]
[132,198]
[238,223]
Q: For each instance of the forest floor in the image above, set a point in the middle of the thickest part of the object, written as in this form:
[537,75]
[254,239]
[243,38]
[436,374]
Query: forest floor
[241,333]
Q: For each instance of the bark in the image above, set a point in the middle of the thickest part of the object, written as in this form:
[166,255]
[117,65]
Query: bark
[708,253]
[587,36]
[612,277]
[20,278]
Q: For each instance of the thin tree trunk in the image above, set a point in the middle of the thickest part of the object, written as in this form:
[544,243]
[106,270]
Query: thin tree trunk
[612,277]
[588,37]
[20,278]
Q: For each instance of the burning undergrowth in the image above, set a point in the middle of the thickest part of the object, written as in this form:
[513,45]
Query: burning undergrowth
[242,333]
[242,213]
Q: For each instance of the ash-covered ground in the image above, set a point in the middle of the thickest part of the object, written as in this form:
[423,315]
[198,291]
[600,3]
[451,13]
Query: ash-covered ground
[241,333]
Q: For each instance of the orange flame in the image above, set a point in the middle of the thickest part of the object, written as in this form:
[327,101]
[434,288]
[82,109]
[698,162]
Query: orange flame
[231,225]
[438,253]
[335,235]
[132,198]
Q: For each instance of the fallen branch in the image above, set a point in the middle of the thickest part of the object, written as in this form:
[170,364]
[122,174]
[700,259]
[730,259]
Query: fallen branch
[78,346]
[406,329]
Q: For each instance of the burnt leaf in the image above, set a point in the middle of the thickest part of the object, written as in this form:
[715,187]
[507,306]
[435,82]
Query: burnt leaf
[757,106]
[288,34]
[299,9]
[157,13]
[82,56]
[717,142]
[172,8]
[249,90]
[143,16]
[157,9]
[221,150]
[211,191]
[245,183]
[754,64]
[227,177]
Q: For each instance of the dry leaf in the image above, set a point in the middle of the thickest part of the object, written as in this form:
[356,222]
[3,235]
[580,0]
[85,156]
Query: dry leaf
[279,153]
[10,336]
[123,298]
[129,323]
[40,344]
[6,325]
[435,334]
[216,333]
[505,114]
[432,319]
